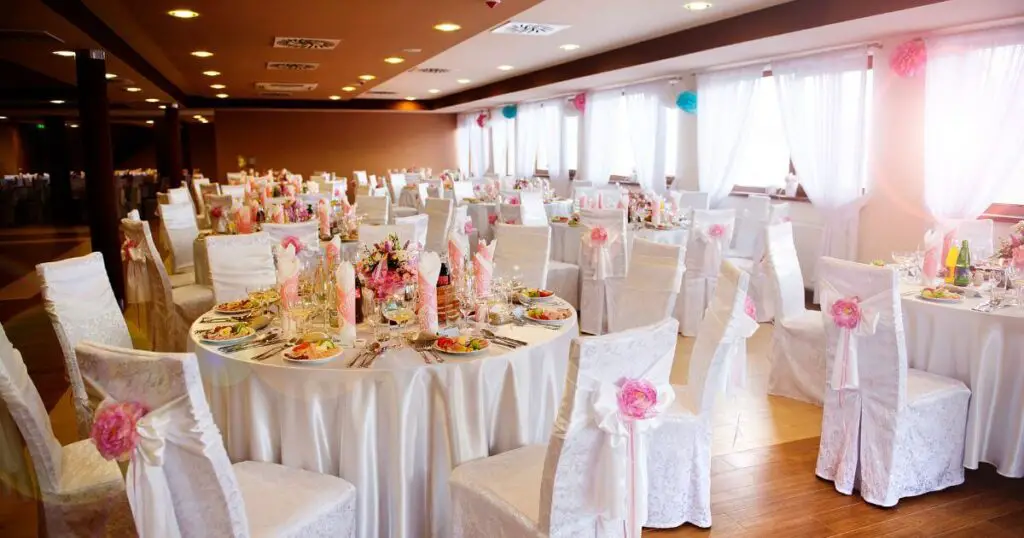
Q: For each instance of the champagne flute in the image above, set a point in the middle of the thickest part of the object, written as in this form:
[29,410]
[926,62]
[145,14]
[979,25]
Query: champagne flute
[466,297]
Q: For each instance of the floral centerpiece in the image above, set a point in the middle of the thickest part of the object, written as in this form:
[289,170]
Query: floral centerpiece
[522,184]
[295,211]
[1011,249]
[387,267]
[639,206]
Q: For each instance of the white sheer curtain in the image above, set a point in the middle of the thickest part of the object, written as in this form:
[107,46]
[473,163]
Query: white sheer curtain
[974,121]
[552,144]
[503,143]
[724,108]
[479,148]
[464,121]
[529,136]
[600,121]
[822,99]
[646,127]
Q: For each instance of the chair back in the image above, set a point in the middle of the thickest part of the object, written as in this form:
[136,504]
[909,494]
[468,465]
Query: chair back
[752,214]
[81,306]
[596,365]
[361,178]
[423,192]
[395,185]
[779,213]
[234,178]
[420,224]
[313,198]
[462,190]
[178,196]
[151,273]
[533,212]
[180,231]
[208,188]
[710,234]
[523,252]
[651,286]
[236,192]
[22,400]
[587,194]
[335,190]
[614,222]
[439,211]
[222,203]
[980,236]
[239,264]
[196,480]
[308,233]
[374,209]
[608,197]
[370,235]
[510,213]
[784,268]
[694,200]
[510,195]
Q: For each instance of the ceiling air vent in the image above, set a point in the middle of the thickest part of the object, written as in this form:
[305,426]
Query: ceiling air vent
[292,66]
[529,28]
[309,43]
[432,70]
[381,92]
[275,94]
[286,86]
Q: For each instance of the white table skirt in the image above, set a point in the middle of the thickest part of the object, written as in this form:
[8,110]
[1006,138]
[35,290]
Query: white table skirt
[565,239]
[986,352]
[395,430]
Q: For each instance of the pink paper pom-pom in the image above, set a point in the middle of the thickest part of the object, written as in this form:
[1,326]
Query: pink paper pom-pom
[113,429]
[909,58]
[637,398]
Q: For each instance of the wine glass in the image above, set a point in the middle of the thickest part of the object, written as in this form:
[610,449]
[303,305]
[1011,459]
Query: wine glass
[466,296]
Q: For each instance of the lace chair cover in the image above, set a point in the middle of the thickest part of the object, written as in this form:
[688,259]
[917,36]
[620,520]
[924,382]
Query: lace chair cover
[497,496]
[180,480]
[522,252]
[694,200]
[680,459]
[81,305]
[197,192]
[240,263]
[439,225]
[609,196]
[178,196]
[752,215]
[602,267]
[710,234]
[371,235]
[180,230]
[584,195]
[797,352]
[420,224]
[361,178]
[308,233]
[336,190]
[236,192]
[651,286]
[82,494]
[462,190]
[373,209]
[890,431]
[510,214]
[980,236]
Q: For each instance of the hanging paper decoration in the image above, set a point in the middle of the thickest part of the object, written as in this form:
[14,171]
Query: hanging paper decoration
[579,102]
[909,58]
[482,119]
[570,109]
[509,111]
[687,102]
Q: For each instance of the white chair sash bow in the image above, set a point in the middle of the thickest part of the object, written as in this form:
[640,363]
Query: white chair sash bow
[714,236]
[598,243]
[854,317]
[136,272]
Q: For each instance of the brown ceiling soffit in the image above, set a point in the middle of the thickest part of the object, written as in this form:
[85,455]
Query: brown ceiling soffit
[82,17]
[300,104]
[777,20]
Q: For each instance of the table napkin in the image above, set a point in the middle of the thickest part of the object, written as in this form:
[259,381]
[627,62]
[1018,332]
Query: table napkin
[334,250]
[932,249]
[345,288]
[456,258]
[324,216]
[288,275]
[429,270]
[277,214]
[483,266]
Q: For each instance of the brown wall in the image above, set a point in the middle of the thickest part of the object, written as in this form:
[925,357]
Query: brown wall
[306,141]
[11,157]
[203,144]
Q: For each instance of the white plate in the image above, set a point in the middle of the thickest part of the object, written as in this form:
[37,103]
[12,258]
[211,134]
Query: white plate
[548,321]
[536,300]
[232,312]
[944,301]
[329,358]
[227,342]
[463,353]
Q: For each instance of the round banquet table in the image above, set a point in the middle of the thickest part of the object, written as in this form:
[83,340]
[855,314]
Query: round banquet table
[394,430]
[565,239]
[201,259]
[986,352]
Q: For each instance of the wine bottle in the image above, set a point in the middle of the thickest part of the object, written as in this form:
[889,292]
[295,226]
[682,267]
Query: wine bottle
[962,271]
[443,278]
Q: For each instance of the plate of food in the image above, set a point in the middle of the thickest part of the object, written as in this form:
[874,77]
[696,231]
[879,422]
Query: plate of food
[536,295]
[227,334]
[231,308]
[549,316]
[313,351]
[266,297]
[940,295]
[461,345]
[560,219]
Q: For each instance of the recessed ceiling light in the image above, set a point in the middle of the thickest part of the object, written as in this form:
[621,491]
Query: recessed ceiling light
[152,100]
[412,51]
[348,89]
[366,77]
[202,53]
[57,102]
[433,90]
[505,68]
[132,89]
[334,97]
[394,60]
[149,122]
[211,73]
[697,6]
[162,107]
[447,27]
[65,53]
[3,117]
[74,126]
[198,117]
[222,96]
[569,46]
[218,86]
[111,75]
[410,98]
[463,81]
[183,13]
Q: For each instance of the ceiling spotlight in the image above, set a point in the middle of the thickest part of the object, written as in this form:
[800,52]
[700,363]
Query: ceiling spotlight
[149,122]
[57,102]
[132,89]
[218,86]
[569,46]
[183,13]
[198,117]
[366,77]
[394,60]
[152,100]
[348,89]
[110,76]
[410,98]
[505,68]
[463,81]
[202,53]
[74,126]
[162,107]
[447,27]
[65,53]
[433,90]
[697,6]
[222,96]
[3,117]
[212,73]
[334,97]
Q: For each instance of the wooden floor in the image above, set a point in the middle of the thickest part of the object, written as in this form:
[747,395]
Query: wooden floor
[763,447]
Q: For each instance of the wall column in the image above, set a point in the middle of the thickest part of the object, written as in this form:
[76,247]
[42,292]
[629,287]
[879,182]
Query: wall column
[58,165]
[171,147]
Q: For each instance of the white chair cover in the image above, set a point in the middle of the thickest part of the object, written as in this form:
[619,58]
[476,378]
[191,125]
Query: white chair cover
[797,352]
[370,235]
[361,178]
[889,430]
[308,233]
[236,192]
[694,200]
[336,190]
[584,474]
[608,196]
[239,264]
[313,198]
[420,225]
[462,190]
[178,196]
[373,209]
[222,203]
[522,252]
[82,494]
[602,267]
[510,214]
[234,178]
[680,459]
[980,236]
[533,212]
[180,231]
[579,192]
[396,182]
[752,215]
[651,286]
[180,480]
[710,234]
[81,305]
[423,193]
[439,225]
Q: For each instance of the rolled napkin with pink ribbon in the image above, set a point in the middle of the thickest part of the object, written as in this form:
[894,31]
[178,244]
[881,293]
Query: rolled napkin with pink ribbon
[932,250]
[483,268]
[288,275]
[345,288]
[264,195]
[334,250]
[244,220]
[456,257]
[277,214]
[656,211]
[426,312]
[324,216]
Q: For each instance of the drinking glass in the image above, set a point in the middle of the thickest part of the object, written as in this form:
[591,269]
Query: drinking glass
[467,298]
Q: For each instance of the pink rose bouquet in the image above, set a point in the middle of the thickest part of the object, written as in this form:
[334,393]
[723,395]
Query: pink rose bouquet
[637,398]
[846,312]
[113,429]
[598,235]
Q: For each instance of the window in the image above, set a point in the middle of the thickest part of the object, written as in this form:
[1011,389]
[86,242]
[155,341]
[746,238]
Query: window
[571,138]
[672,120]
[503,145]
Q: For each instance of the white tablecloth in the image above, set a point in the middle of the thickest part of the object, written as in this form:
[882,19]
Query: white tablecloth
[986,352]
[395,430]
[565,239]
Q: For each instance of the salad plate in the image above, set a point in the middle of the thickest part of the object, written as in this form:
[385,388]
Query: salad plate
[549,316]
[242,306]
[227,334]
[313,352]
[464,345]
[940,295]
[536,295]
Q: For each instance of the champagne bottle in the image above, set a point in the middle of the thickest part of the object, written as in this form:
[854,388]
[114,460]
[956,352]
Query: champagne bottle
[962,271]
